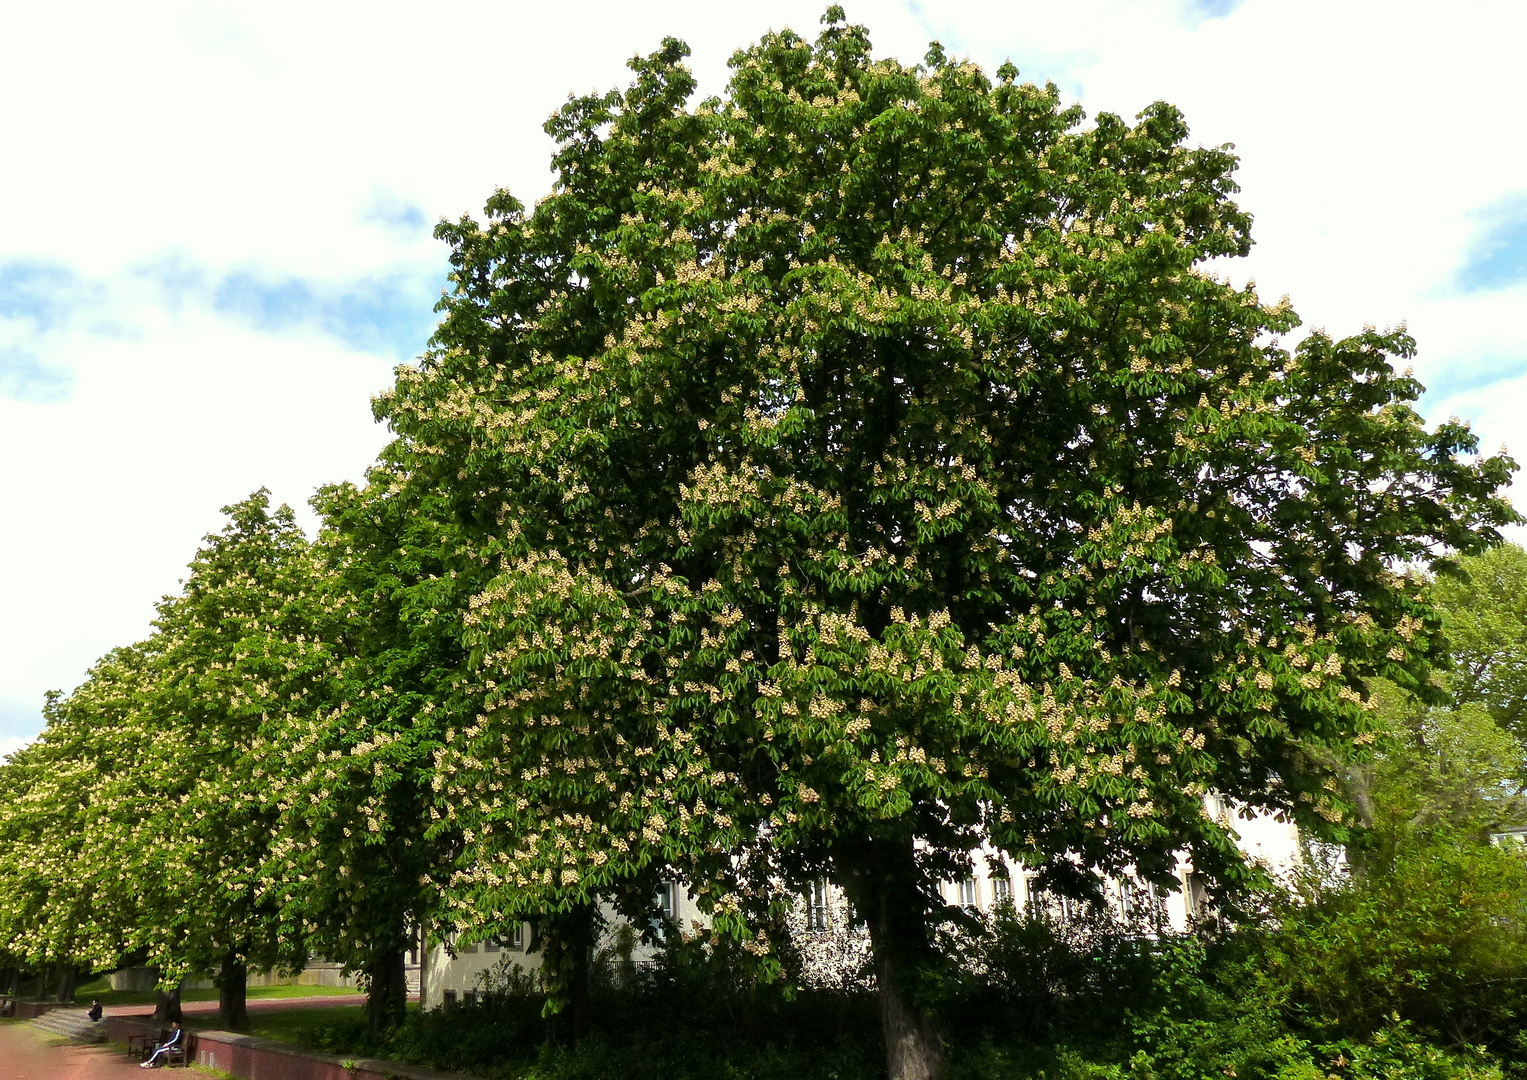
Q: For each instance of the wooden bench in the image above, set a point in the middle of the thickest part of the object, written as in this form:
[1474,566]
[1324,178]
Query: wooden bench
[183,1054]
[139,1046]
[142,1047]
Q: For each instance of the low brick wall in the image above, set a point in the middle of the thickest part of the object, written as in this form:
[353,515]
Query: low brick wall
[118,1028]
[31,1010]
[250,1058]
[262,1059]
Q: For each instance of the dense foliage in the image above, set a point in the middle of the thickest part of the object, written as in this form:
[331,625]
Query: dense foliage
[865,461]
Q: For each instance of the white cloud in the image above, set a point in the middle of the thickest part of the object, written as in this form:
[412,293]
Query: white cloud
[1368,132]
[111,492]
[311,146]
[9,744]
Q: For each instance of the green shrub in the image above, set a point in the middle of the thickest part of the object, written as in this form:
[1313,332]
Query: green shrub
[1035,977]
[1438,940]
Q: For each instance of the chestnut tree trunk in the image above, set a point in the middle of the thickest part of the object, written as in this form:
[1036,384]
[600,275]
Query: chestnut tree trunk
[882,881]
[387,989]
[233,994]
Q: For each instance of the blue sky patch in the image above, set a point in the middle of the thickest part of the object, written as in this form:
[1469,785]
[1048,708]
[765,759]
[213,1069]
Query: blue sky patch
[391,314]
[1201,11]
[1498,257]
[1456,378]
[178,276]
[396,214]
[24,377]
[44,294]
[38,298]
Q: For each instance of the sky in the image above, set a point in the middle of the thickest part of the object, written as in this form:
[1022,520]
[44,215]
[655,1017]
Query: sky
[215,224]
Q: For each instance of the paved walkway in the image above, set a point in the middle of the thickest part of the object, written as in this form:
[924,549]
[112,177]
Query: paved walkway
[29,1054]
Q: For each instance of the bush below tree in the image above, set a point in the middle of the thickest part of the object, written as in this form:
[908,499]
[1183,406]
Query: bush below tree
[1412,974]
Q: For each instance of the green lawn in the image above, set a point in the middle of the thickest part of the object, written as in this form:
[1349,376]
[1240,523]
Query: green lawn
[101,988]
[302,1025]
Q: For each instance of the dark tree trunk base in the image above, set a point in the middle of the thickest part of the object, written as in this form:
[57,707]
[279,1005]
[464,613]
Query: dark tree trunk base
[386,991]
[569,948]
[233,995]
[882,881]
[66,982]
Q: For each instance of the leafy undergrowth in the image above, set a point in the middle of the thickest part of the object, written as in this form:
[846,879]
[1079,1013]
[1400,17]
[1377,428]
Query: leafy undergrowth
[1242,1049]
[1418,973]
[509,1040]
[309,1026]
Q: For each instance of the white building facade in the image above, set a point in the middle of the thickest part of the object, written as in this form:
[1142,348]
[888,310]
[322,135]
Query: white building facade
[455,972]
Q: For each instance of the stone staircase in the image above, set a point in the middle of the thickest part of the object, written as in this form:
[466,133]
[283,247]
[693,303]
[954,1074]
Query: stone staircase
[71,1024]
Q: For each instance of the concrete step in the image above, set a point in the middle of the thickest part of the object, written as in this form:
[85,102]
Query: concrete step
[71,1024]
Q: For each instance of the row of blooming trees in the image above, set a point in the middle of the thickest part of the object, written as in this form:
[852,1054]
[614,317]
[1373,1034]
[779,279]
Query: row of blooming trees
[823,480]
[240,789]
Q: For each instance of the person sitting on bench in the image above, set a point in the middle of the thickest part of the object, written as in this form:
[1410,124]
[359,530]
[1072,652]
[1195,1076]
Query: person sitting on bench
[177,1036]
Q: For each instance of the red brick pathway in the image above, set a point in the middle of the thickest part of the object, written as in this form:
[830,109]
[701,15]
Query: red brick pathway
[29,1054]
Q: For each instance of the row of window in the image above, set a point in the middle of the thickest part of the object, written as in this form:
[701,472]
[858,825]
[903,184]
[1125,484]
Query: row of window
[1136,899]
[666,900]
[514,940]
[818,910]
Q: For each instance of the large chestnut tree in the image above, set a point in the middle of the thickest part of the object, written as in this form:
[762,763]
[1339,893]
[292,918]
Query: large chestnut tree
[869,464]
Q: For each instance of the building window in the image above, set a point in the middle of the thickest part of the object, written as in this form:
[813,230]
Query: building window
[1063,909]
[450,998]
[1195,896]
[1218,808]
[1137,899]
[816,905]
[513,938]
[1002,891]
[469,998]
[666,902]
[965,893]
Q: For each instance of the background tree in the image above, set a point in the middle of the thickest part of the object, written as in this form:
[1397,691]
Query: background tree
[1443,773]
[871,470]
[1449,769]
[1487,634]
[45,904]
[237,650]
[354,864]
[72,897]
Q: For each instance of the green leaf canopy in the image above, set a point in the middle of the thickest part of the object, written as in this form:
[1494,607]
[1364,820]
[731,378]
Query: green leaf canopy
[869,452]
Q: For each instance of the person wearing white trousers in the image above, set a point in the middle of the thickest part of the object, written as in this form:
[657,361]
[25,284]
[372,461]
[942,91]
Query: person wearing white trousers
[176,1036]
